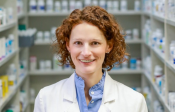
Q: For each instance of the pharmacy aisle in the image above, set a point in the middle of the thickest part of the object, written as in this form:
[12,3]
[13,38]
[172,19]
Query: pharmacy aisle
[44,69]
[28,63]
[13,66]
[158,54]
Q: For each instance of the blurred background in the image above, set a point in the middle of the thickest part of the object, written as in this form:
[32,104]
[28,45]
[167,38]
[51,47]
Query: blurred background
[28,63]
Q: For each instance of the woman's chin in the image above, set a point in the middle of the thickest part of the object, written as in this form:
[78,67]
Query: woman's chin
[87,70]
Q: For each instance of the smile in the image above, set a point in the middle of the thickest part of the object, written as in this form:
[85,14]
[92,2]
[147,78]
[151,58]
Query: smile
[87,61]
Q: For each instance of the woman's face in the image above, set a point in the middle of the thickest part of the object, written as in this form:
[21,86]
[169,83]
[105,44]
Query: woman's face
[87,47]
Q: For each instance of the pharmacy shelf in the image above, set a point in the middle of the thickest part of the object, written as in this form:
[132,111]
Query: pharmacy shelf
[51,72]
[21,15]
[69,72]
[7,26]
[170,65]
[159,18]
[16,56]
[129,12]
[147,45]
[22,78]
[138,41]
[49,14]
[12,92]
[125,71]
[160,55]
[42,43]
[6,59]
[170,22]
[7,98]
[25,107]
[148,76]
[146,14]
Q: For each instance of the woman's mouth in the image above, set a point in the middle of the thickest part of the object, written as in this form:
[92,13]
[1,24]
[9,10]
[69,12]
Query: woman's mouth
[87,61]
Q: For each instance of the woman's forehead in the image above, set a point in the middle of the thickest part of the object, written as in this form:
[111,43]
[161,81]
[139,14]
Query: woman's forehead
[86,30]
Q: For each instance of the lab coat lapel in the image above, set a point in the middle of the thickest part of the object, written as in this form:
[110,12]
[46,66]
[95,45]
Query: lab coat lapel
[109,95]
[74,108]
[70,103]
[103,108]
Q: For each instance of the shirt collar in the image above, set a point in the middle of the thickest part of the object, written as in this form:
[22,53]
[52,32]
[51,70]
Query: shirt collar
[79,82]
[110,91]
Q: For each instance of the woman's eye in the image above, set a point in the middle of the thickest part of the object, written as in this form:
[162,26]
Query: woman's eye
[77,43]
[95,43]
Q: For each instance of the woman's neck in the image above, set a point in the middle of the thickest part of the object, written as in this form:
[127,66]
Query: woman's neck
[90,79]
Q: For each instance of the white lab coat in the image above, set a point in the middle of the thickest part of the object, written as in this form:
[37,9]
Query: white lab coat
[61,97]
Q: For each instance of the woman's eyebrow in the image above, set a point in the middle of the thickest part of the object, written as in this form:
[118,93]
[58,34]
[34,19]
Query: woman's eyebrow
[77,39]
[94,39]
[97,39]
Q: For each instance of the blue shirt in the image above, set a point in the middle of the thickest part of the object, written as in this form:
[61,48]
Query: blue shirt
[96,93]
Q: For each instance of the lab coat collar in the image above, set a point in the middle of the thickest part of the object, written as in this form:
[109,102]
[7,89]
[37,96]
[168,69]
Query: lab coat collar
[69,89]
[109,93]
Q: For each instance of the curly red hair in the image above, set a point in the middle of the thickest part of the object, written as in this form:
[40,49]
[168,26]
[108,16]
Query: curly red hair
[105,22]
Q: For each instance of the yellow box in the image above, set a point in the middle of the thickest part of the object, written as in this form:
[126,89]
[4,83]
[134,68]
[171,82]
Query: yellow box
[5,79]
[3,87]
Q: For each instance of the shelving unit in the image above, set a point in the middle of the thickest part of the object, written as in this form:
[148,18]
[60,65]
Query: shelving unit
[43,43]
[161,19]
[170,66]
[10,27]
[130,12]
[159,55]
[12,92]
[170,22]
[155,88]
[7,26]
[6,59]
[162,59]
[69,72]
[25,107]
[20,16]
[13,96]
[139,41]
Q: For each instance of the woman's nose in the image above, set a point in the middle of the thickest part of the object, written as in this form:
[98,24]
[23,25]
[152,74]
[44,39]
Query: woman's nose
[86,51]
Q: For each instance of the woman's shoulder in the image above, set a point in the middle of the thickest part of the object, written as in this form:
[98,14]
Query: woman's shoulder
[54,88]
[129,98]
[127,91]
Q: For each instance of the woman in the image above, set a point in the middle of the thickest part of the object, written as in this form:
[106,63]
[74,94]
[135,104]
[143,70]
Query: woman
[90,40]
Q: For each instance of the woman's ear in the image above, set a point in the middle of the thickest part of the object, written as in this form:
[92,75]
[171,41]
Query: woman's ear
[109,46]
[67,44]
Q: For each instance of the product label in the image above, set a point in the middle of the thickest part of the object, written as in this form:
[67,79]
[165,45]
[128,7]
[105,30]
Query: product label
[0,92]
[33,7]
[11,83]
[42,8]
[132,66]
